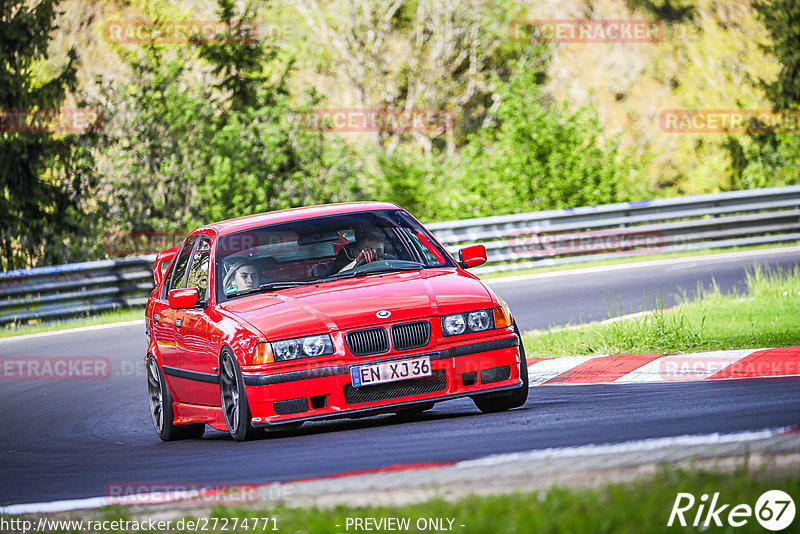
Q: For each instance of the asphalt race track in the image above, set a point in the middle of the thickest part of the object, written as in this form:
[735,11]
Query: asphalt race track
[66,439]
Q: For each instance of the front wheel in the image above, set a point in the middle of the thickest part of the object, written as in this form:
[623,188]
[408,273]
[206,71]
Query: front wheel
[161,408]
[515,399]
[234,399]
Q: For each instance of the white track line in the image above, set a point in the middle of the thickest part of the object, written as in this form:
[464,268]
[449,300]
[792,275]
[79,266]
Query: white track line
[54,506]
[654,263]
[626,447]
[486,461]
[73,330]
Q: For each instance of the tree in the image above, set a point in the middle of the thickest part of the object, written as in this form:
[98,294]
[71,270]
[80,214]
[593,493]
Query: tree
[404,55]
[152,142]
[182,152]
[535,155]
[771,156]
[44,173]
[782,20]
[238,57]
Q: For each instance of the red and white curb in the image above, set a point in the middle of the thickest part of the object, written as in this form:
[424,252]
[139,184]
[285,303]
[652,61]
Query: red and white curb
[627,368]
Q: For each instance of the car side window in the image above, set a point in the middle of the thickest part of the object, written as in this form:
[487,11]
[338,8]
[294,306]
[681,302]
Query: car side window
[198,272]
[181,261]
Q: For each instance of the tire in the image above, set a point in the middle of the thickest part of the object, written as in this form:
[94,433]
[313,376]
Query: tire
[233,399]
[515,399]
[161,409]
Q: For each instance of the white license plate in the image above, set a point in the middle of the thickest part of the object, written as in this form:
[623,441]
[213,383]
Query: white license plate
[380,373]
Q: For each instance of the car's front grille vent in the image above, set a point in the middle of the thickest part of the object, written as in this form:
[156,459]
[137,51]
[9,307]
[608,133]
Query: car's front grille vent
[369,341]
[411,335]
[393,390]
[496,374]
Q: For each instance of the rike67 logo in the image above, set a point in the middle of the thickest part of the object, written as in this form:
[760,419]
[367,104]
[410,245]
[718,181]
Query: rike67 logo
[774,510]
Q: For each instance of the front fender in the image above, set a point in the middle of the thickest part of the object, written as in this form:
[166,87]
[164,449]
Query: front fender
[152,350]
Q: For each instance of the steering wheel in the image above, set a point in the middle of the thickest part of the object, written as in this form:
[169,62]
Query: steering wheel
[369,255]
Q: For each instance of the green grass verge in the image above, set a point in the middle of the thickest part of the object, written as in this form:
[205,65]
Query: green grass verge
[101,318]
[632,259]
[643,505]
[766,315]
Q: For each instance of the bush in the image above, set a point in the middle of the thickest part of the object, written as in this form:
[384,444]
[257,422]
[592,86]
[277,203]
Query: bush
[535,155]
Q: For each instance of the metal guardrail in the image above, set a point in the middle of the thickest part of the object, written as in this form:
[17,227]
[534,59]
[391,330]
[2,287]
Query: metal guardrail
[48,293]
[545,238]
[513,242]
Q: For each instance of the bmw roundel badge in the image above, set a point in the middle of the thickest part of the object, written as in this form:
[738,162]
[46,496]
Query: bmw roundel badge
[383,314]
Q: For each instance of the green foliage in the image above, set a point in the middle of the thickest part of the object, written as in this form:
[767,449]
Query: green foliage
[409,181]
[43,175]
[579,507]
[209,130]
[763,316]
[769,158]
[151,134]
[535,155]
[262,160]
[666,10]
[764,160]
[782,19]
[259,157]
[191,152]
[239,63]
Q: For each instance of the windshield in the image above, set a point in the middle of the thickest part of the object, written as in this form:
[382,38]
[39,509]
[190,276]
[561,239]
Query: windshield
[323,249]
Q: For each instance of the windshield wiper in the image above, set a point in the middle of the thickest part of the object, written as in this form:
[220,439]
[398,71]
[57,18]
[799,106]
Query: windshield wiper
[410,266]
[415,266]
[271,286]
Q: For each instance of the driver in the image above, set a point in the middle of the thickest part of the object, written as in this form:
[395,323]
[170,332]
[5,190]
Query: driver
[243,275]
[370,247]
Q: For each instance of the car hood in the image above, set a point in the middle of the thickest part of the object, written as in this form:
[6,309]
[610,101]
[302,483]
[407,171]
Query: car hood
[353,303]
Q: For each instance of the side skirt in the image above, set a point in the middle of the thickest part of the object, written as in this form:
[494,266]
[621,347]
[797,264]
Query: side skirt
[186,414]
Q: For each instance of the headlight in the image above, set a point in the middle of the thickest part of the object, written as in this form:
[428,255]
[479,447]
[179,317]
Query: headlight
[302,347]
[453,325]
[461,323]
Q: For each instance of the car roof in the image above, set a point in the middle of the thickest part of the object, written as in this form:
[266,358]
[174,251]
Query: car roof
[293,214]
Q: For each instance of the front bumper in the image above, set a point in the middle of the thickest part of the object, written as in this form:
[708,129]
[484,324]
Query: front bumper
[326,392]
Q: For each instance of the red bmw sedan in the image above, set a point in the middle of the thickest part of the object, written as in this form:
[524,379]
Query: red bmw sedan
[344,310]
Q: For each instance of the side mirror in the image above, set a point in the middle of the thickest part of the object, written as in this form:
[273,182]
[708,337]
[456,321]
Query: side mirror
[472,256]
[181,299]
